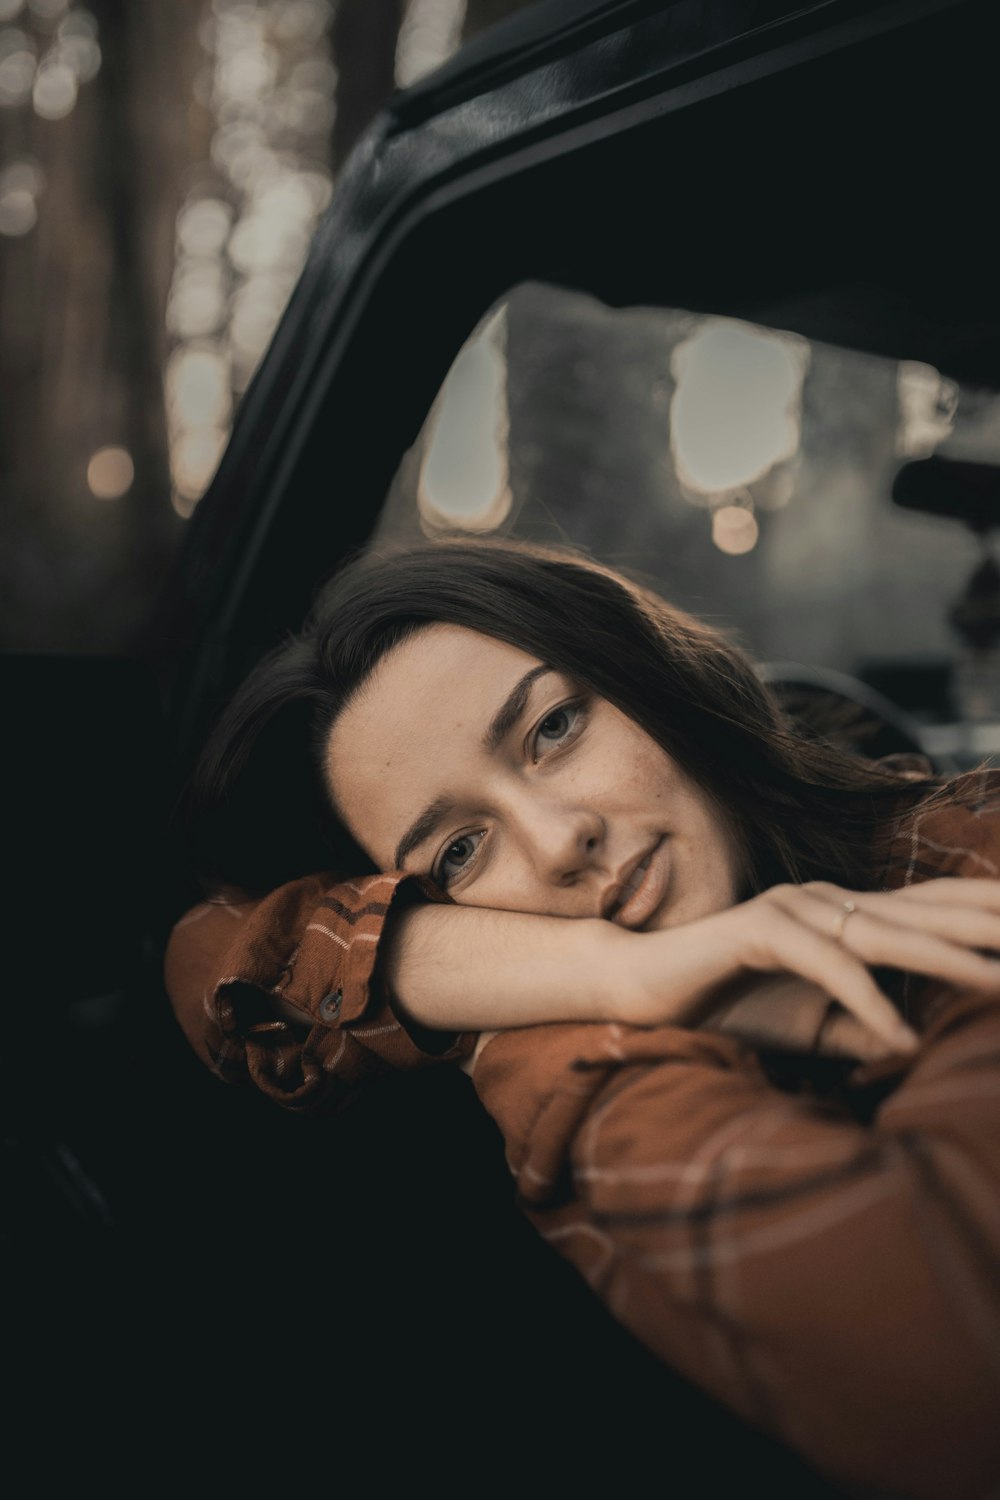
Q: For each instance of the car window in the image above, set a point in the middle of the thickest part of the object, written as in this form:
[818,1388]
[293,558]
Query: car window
[747,472]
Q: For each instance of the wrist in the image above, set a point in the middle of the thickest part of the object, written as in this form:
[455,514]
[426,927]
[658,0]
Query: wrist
[674,975]
[614,974]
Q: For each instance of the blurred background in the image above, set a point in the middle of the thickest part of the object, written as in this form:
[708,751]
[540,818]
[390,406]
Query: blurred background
[162,167]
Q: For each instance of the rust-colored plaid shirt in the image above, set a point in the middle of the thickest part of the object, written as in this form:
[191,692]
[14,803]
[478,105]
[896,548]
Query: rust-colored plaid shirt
[825,1265]
[313,943]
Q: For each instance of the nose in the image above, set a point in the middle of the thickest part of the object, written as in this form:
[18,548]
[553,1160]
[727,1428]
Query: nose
[564,840]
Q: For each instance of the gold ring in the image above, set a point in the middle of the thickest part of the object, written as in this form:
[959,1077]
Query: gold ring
[845,911]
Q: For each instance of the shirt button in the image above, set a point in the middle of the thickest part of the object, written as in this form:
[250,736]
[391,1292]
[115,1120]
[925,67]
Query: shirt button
[329,1006]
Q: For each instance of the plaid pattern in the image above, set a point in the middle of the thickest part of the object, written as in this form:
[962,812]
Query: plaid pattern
[826,1265]
[314,943]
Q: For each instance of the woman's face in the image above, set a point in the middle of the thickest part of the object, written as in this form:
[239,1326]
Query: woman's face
[468,760]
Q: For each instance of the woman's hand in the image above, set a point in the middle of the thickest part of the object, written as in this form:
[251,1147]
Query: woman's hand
[828,937]
[464,968]
[784,1013]
[777,1012]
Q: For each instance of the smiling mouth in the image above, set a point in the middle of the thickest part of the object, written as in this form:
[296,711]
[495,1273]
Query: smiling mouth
[642,892]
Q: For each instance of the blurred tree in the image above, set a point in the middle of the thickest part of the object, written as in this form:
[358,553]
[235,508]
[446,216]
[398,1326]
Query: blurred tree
[83,295]
[81,307]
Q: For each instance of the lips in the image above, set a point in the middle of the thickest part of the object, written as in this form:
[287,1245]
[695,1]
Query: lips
[640,889]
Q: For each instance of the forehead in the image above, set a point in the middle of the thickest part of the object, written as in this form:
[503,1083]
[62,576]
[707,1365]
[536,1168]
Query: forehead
[413,732]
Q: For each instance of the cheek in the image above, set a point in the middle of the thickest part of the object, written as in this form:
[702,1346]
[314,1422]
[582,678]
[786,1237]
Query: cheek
[645,773]
[513,883]
[510,884]
[621,765]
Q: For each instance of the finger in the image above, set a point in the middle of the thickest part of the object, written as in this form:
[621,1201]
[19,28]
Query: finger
[844,1035]
[795,945]
[941,943]
[983,891]
[968,915]
[919,952]
[945,895]
[968,926]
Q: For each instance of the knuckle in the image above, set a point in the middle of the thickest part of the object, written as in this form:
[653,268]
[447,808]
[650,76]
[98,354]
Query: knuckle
[778,895]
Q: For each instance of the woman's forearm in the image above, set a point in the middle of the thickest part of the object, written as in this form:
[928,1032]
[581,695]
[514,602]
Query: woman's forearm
[465,968]
[474,969]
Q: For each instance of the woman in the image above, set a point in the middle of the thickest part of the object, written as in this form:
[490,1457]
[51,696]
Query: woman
[578,805]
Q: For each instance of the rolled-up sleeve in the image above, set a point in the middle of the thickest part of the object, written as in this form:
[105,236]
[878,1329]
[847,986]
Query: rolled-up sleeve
[313,943]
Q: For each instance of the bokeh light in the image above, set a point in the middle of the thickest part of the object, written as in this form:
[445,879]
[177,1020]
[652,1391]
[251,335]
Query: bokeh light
[302,21]
[46,70]
[18,65]
[198,301]
[257,307]
[244,231]
[18,212]
[77,45]
[734,529]
[194,458]
[48,10]
[203,226]
[20,185]
[110,473]
[430,33]
[197,386]
[55,90]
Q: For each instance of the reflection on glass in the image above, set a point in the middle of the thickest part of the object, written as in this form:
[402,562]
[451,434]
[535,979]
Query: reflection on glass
[463,477]
[927,406]
[566,420]
[736,406]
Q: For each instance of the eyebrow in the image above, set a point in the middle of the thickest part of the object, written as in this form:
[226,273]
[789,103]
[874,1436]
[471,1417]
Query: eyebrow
[498,728]
[511,709]
[420,828]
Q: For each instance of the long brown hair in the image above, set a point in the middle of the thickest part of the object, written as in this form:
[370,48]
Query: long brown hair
[257,812]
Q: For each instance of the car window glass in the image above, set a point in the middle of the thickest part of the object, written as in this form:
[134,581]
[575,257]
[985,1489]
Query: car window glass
[744,471]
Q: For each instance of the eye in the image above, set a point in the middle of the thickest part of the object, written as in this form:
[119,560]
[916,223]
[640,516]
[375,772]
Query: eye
[558,726]
[456,857]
